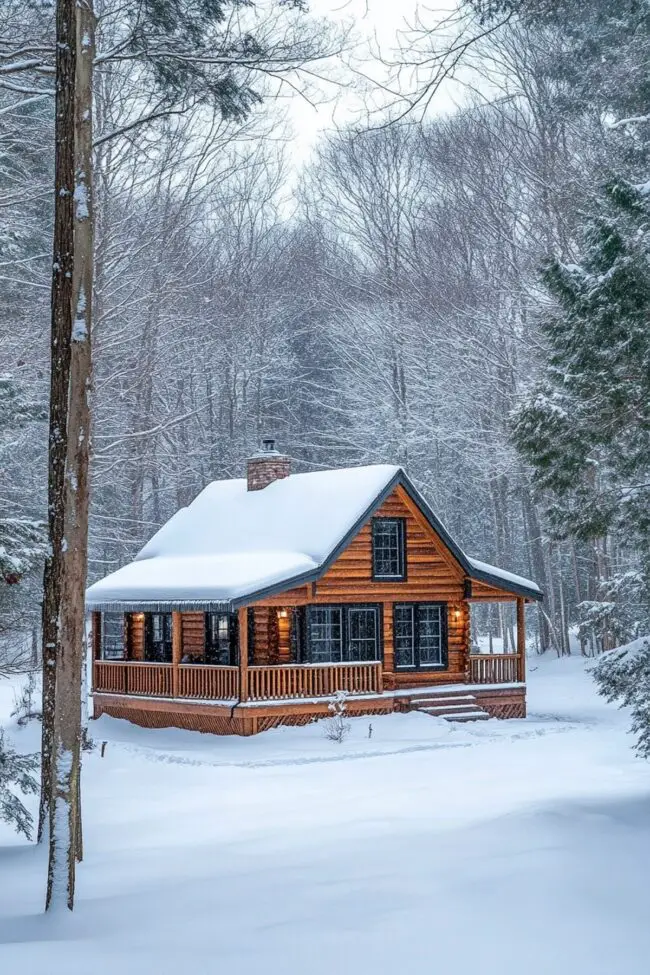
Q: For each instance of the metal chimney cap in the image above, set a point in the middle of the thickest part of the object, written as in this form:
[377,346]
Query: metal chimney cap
[268,445]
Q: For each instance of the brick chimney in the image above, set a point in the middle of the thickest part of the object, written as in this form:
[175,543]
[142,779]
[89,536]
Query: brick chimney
[266,466]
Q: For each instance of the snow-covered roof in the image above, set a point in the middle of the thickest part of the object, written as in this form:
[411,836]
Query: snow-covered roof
[231,544]
[482,569]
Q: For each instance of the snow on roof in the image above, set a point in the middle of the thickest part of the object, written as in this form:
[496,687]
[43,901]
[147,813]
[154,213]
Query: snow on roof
[483,568]
[231,542]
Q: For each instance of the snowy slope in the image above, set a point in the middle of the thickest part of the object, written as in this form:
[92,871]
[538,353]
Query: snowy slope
[503,848]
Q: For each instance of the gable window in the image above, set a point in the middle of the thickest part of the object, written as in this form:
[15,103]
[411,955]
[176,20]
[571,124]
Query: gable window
[158,643]
[113,636]
[420,636]
[341,634]
[388,548]
[221,638]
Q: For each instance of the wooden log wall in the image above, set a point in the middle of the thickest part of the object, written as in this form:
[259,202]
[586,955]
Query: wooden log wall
[193,634]
[482,591]
[284,639]
[264,636]
[432,576]
[135,636]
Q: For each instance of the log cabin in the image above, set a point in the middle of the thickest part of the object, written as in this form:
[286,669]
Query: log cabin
[267,595]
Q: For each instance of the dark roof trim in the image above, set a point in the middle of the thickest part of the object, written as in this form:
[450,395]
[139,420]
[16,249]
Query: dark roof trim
[159,606]
[506,585]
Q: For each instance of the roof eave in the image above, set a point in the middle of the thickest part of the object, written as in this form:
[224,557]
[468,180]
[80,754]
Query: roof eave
[158,605]
[506,585]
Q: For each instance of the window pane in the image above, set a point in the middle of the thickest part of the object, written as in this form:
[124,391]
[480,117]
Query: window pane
[403,636]
[388,548]
[113,636]
[430,635]
[159,646]
[325,634]
[220,639]
[362,633]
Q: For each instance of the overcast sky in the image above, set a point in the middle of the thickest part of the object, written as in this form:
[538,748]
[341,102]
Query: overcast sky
[378,26]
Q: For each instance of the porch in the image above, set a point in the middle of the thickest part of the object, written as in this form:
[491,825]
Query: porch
[278,682]
[193,687]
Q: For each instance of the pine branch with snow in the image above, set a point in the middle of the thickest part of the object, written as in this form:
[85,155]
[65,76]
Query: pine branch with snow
[623,676]
[16,775]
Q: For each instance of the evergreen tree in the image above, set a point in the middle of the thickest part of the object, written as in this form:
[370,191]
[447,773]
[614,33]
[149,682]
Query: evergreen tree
[16,773]
[624,676]
[22,540]
[585,428]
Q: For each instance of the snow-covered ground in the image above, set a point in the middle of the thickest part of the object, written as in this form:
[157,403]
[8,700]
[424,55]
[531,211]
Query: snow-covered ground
[501,847]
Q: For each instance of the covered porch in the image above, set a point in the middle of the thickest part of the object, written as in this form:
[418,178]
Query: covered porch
[187,675]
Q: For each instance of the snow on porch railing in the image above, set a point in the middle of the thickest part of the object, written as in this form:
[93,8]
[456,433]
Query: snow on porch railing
[322,680]
[495,668]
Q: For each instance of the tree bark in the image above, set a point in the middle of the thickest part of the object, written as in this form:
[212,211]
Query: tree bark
[61,328]
[71,329]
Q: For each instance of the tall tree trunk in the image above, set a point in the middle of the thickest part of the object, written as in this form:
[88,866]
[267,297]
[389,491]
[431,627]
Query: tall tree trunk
[61,329]
[71,328]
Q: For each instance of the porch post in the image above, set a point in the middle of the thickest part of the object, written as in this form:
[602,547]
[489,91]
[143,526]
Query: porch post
[177,651]
[95,642]
[388,667]
[243,653]
[521,638]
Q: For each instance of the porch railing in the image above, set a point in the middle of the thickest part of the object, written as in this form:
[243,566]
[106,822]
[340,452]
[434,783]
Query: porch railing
[495,668]
[278,683]
[157,680]
[210,683]
[109,676]
[131,677]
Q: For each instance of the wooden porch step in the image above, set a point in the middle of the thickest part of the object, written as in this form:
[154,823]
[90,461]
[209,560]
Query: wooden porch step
[436,700]
[463,712]
[477,715]
[451,707]
[443,709]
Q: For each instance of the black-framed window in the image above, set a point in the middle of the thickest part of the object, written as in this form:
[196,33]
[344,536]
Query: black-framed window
[113,636]
[420,636]
[221,638]
[325,634]
[336,634]
[388,548]
[158,637]
[362,633]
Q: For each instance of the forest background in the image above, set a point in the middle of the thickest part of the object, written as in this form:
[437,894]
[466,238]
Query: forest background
[425,282]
